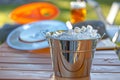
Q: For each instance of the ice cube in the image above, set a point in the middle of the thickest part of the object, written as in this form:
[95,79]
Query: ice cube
[77,30]
[77,33]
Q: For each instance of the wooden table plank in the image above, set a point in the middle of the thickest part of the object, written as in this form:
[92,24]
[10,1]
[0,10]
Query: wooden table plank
[25,54]
[25,60]
[97,76]
[105,76]
[41,75]
[106,56]
[105,69]
[107,62]
[48,67]
[26,67]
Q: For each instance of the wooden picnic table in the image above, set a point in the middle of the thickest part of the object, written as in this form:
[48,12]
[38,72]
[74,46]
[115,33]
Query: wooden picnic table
[18,64]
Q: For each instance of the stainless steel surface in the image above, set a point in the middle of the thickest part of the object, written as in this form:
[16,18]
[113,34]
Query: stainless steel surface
[72,58]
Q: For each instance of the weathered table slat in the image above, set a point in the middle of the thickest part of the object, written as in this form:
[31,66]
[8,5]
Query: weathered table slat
[105,76]
[112,62]
[17,64]
[26,67]
[105,69]
[7,74]
[24,60]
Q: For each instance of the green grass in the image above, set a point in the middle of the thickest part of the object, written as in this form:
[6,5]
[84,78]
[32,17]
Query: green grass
[64,7]
[105,5]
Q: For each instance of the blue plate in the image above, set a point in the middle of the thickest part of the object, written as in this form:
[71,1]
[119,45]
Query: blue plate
[32,36]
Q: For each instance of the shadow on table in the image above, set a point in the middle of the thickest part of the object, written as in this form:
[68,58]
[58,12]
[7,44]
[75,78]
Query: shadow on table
[5,30]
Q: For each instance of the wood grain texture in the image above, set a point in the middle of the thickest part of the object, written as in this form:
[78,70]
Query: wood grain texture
[23,65]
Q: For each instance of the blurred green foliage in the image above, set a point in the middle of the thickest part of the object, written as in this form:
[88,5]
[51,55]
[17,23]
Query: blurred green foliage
[64,6]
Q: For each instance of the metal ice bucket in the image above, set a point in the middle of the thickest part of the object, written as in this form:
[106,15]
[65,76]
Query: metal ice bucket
[72,58]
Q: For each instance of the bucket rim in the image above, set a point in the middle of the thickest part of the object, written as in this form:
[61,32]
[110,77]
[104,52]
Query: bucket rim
[51,37]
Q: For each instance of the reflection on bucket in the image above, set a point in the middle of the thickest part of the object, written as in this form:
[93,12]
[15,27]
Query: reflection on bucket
[72,58]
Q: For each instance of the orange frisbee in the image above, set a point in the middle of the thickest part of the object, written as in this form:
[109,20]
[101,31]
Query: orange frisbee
[35,11]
